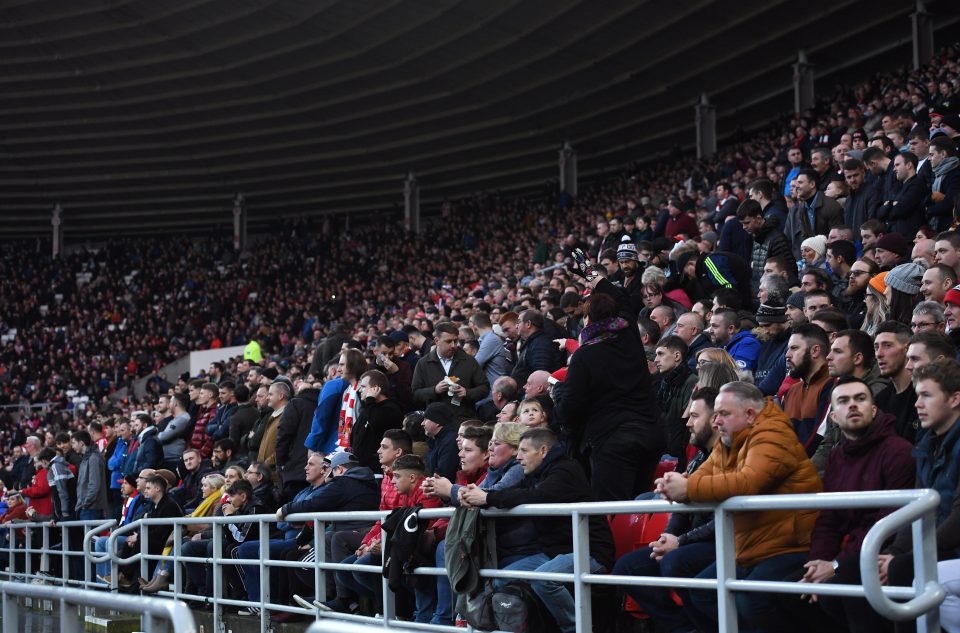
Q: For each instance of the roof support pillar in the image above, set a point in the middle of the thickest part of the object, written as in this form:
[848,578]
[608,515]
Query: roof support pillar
[56,224]
[706,121]
[239,222]
[803,94]
[411,203]
[567,163]
[922,27]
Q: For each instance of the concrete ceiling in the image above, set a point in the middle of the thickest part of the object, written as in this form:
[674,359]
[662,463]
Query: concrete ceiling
[152,115]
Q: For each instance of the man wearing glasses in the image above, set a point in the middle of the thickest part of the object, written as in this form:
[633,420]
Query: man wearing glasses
[860,273]
[265,494]
[928,317]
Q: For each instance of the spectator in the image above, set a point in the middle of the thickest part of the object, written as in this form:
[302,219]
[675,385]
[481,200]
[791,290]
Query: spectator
[243,419]
[773,335]
[928,317]
[537,349]
[449,375]
[225,455]
[379,414]
[261,478]
[115,461]
[219,427]
[163,507]
[291,451]
[936,281]
[806,402]
[65,447]
[398,371]
[673,395]
[438,424]
[891,342]
[278,399]
[91,486]
[148,452]
[503,392]
[755,438]
[904,212]
[492,355]
[875,301]
[862,199]
[690,330]
[946,183]
[858,280]
[903,288]
[173,437]
[742,345]
[207,397]
[815,213]
[892,250]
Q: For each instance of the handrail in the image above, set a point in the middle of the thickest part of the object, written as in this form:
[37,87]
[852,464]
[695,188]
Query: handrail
[933,594]
[176,611]
[916,505]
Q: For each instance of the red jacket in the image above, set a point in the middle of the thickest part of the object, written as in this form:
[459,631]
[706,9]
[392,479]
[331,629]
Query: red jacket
[39,493]
[200,440]
[390,500]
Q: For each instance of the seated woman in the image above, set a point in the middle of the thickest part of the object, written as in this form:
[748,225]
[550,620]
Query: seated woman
[212,487]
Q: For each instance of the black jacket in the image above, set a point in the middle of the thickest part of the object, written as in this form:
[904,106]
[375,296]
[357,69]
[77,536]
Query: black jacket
[861,205]
[167,508]
[242,421]
[904,214]
[536,353]
[356,489]
[940,214]
[291,434]
[375,420]
[442,459]
[608,387]
[558,479]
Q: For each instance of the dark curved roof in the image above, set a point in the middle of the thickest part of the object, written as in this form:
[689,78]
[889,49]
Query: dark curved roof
[144,114]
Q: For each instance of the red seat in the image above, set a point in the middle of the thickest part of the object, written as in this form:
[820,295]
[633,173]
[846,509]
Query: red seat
[636,531]
[664,467]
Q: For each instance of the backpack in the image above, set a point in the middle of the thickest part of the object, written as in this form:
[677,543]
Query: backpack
[517,609]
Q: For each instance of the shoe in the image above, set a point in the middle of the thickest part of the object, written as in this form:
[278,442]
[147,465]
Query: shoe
[123,581]
[303,602]
[249,611]
[337,605]
[160,582]
[105,579]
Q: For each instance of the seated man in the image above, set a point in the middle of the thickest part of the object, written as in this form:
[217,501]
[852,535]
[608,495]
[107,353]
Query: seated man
[550,477]
[687,545]
[155,491]
[758,453]
[869,456]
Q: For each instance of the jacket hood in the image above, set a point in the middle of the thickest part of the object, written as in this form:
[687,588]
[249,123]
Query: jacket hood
[881,428]
[360,473]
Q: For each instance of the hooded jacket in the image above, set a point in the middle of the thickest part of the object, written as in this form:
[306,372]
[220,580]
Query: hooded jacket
[765,458]
[149,454]
[878,460]
[806,403]
[91,486]
[558,479]
[355,489]
[63,489]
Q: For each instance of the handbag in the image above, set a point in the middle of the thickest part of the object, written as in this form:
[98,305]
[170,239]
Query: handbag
[477,609]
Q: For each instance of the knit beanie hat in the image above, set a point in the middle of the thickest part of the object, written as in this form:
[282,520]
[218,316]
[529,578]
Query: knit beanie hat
[952,296]
[817,243]
[895,243]
[796,300]
[878,282]
[906,278]
[771,314]
[627,250]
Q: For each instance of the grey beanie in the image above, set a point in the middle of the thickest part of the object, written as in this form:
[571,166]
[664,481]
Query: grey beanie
[906,278]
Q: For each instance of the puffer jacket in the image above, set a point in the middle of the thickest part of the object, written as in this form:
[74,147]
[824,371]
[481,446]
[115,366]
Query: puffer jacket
[765,459]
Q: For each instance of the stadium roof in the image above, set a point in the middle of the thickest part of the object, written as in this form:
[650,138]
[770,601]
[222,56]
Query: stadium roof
[137,114]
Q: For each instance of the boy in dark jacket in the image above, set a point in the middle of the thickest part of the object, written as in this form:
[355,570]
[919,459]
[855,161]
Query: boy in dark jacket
[550,477]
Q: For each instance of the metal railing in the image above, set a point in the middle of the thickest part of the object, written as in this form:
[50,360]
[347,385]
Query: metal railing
[68,541]
[916,507]
[151,609]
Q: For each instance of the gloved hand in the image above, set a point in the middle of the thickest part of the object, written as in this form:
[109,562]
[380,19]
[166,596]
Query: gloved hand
[581,266]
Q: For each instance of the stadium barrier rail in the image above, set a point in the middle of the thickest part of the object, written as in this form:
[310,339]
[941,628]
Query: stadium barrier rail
[913,507]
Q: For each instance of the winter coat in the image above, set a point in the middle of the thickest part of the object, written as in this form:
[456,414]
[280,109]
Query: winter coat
[827,215]
[149,453]
[558,479]
[673,396]
[242,422]
[608,387]
[442,458]
[771,362]
[91,487]
[861,205]
[429,372]
[744,348]
[904,213]
[940,214]
[322,437]
[878,460]
[538,352]
[199,439]
[354,490]
[770,242]
[292,433]
[765,458]
[39,493]
[116,461]
[938,466]
[375,419]
[63,489]
[219,427]
[806,404]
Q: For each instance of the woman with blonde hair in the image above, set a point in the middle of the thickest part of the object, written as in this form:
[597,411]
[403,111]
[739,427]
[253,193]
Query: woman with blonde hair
[716,355]
[876,301]
[212,488]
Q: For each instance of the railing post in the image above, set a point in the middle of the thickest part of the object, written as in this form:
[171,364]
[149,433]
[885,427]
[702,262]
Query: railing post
[11,614]
[264,577]
[925,567]
[217,577]
[582,593]
[69,617]
[177,552]
[726,570]
[144,539]
[389,603]
[319,556]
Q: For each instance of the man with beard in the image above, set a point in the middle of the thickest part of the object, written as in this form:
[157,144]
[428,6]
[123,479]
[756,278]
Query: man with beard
[773,334]
[861,272]
[807,401]
[629,263]
[891,343]
[673,394]
[863,200]
[841,255]
[686,546]
[936,281]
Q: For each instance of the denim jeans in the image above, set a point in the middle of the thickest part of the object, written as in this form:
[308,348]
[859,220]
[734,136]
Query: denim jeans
[683,562]
[100,547]
[444,611]
[756,612]
[554,595]
[251,573]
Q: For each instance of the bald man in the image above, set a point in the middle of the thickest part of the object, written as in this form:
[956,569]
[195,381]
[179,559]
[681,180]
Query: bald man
[537,384]
[924,253]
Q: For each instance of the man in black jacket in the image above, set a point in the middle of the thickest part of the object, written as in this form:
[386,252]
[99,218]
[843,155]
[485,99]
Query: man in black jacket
[767,241]
[537,350]
[378,414]
[294,426]
[440,426]
[154,490]
[686,546]
[550,477]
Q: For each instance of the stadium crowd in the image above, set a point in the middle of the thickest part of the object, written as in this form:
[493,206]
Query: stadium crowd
[782,319]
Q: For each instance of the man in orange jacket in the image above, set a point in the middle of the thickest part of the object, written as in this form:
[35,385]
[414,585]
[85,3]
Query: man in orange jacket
[758,454]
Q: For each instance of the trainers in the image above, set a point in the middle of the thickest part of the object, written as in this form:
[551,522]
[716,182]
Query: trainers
[303,602]
[249,611]
[333,605]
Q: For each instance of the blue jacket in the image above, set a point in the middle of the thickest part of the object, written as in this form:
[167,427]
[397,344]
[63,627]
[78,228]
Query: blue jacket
[355,490]
[772,365]
[443,456]
[745,349]
[326,417]
[219,427]
[289,530]
[150,452]
[938,466]
[115,463]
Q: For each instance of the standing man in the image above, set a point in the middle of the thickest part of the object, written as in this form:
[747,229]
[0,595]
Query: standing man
[91,487]
[492,355]
[174,435]
[862,199]
[768,241]
[448,374]
[537,349]
[816,213]
[291,434]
